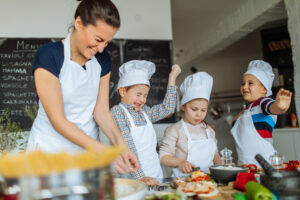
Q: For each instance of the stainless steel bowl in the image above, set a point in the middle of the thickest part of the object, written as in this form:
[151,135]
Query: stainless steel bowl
[70,185]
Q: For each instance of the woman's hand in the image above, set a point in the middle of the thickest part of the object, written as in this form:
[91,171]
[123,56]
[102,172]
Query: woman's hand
[186,167]
[120,166]
[131,161]
[126,163]
[149,180]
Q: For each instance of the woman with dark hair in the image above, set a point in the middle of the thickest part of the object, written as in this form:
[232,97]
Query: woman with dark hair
[72,82]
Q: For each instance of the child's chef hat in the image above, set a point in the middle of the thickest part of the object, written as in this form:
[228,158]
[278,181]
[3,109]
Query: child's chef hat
[196,86]
[263,72]
[135,72]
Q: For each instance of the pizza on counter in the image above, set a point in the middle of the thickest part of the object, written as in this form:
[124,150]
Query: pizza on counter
[202,189]
[197,183]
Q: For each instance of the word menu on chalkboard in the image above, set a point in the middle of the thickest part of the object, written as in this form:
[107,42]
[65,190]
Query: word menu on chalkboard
[16,80]
[17,85]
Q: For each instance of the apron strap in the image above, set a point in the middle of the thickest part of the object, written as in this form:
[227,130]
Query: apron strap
[186,131]
[128,115]
[67,47]
[208,133]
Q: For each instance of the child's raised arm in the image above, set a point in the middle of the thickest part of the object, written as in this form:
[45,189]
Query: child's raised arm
[282,102]
[173,74]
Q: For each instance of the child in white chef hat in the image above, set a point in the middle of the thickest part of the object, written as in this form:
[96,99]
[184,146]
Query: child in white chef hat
[134,118]
[252,128]
[191,142]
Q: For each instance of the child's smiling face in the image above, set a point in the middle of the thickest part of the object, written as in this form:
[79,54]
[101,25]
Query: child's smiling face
[251,88]
[135,95]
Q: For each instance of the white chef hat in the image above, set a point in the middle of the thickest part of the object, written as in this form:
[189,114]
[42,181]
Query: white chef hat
[135,72]
[263,72]
[196,86]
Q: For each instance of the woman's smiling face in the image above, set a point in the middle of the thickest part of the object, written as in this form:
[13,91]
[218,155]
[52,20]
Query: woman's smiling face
[93,38]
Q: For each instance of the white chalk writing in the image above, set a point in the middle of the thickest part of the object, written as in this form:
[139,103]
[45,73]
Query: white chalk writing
[16,63]
[14,70]
[17,78]
[13,85]
[19,94]
[18,101]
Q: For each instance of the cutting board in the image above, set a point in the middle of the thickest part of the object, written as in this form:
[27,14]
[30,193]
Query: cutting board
[225,193]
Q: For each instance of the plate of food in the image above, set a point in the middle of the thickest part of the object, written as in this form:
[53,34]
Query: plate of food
[129,189]
[198,183]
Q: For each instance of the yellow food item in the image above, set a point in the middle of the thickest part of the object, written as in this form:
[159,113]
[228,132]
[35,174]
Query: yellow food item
[39,163]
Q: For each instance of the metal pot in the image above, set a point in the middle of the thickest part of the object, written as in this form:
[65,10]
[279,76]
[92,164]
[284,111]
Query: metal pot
[286,187]
[94,184]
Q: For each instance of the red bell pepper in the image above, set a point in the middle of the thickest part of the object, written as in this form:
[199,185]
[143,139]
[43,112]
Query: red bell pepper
[242,179]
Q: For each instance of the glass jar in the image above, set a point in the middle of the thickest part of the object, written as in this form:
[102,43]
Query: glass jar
[226,156]
[277,160]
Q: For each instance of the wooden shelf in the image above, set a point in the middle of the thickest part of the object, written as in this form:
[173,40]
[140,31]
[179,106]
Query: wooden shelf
[277,51]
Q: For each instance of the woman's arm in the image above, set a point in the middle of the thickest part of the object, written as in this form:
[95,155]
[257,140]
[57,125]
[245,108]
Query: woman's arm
[104,119]
[49,92]
[102,114]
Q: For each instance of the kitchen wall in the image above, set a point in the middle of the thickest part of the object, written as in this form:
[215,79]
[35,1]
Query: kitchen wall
[51,18]
[231,62]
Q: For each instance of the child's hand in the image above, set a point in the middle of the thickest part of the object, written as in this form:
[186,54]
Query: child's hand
[176,70]
[173,74]
[282,102]
[149,180]
[186,167]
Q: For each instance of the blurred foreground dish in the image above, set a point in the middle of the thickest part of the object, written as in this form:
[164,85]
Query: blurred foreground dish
[37,163]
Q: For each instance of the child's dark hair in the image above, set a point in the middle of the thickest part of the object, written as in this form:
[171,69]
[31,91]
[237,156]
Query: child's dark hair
[92,10]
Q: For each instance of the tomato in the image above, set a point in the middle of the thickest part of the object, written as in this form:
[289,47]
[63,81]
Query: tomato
[244,165]
[252,168]
[201,178]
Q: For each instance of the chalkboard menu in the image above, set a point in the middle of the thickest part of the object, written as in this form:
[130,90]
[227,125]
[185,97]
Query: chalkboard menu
[16,81]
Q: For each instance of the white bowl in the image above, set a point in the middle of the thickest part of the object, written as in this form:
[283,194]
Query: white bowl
[129,189]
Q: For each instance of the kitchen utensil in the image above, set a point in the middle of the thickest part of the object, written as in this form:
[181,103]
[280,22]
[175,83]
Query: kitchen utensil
[129,189]
[223,174]
[284,184]
[195,169]
[277,160]
[159,187]
[268,169]
[71,184]
[286,187]
[226,156]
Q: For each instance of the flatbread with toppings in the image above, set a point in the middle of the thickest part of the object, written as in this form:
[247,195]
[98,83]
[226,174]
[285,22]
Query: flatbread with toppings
[202,189]
[198,175]
[197,183]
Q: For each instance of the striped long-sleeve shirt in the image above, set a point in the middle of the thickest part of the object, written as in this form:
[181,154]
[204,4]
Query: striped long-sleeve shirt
[264,121]
[155,113]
